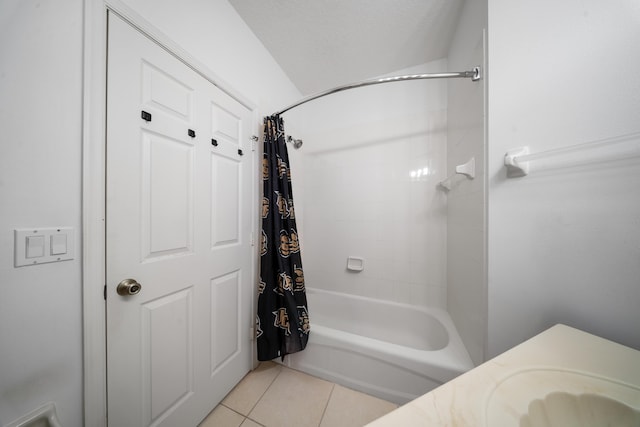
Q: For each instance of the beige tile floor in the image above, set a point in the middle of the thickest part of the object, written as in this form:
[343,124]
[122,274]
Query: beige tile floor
[275,396]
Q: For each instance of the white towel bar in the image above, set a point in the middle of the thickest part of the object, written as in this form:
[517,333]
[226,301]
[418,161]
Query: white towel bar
[517,161]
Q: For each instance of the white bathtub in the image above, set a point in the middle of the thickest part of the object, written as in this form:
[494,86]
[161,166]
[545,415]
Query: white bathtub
[394,351]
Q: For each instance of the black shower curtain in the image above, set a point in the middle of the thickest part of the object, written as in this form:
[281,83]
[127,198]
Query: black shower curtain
[283,319]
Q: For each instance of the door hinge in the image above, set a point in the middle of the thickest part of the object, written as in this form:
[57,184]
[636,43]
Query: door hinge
[253,239]
[105,292]
[252,333]
[254,142]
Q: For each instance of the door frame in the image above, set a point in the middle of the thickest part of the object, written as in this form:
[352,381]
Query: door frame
[94,193]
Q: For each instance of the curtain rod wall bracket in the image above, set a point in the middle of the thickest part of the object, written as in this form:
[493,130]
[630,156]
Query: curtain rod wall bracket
[476,74]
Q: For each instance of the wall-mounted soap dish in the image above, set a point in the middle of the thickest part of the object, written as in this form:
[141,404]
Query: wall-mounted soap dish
[355,263]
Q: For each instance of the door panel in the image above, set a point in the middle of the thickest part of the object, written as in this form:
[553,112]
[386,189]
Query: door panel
[225,323]
[164,91]
[167,334]
[167,195]
[225,123]
[178,221]
[225,207]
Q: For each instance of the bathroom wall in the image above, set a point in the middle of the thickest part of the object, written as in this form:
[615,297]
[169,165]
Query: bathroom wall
[40,174]
[466,207]
[370,163]
[563,241]
[40,316]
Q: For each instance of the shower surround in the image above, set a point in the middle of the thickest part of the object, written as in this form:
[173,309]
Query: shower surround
[379,202]
[366,180]
[366,185]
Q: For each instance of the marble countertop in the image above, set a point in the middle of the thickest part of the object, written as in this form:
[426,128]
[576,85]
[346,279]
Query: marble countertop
[499,391]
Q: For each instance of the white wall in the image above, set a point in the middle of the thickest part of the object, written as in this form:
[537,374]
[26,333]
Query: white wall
[358,195]
[40,173]
[563,242]
[40,316]
[466,207]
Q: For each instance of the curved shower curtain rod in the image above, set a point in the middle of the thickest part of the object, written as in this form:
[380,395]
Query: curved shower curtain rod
[474,75]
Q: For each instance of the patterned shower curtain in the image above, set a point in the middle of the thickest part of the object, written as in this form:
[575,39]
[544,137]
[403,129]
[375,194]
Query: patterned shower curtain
[283,319]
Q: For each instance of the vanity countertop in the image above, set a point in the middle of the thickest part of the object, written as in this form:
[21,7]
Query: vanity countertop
[560,360]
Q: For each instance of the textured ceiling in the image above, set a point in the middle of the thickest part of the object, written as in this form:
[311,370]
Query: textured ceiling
[321,44]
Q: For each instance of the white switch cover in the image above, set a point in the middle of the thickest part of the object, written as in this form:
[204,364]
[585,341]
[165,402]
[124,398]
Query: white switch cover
[58,244]
[33,246]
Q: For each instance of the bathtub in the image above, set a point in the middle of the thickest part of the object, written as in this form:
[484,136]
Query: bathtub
[393,351]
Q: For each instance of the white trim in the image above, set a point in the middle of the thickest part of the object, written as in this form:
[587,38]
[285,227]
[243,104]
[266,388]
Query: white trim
[256,228]
[93,186]
[93,209]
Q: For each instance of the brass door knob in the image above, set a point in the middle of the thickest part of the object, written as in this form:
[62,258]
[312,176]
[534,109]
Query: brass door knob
[128,287]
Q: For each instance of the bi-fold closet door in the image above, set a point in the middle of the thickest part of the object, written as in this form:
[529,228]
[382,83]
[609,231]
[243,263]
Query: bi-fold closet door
[179,185]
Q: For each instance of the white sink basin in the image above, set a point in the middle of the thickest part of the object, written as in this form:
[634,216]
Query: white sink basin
[562,377]
[550,397]
[582,410]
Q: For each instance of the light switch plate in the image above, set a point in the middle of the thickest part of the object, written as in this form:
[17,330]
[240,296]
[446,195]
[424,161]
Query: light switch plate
[40,245]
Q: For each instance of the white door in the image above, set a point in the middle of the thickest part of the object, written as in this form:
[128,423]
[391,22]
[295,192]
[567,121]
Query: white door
[179,224]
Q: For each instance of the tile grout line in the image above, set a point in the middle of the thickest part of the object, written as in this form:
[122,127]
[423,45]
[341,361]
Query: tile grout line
[245,417]
[257,401]
[233,410]
[324,411]
[251,419]
[262,395]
